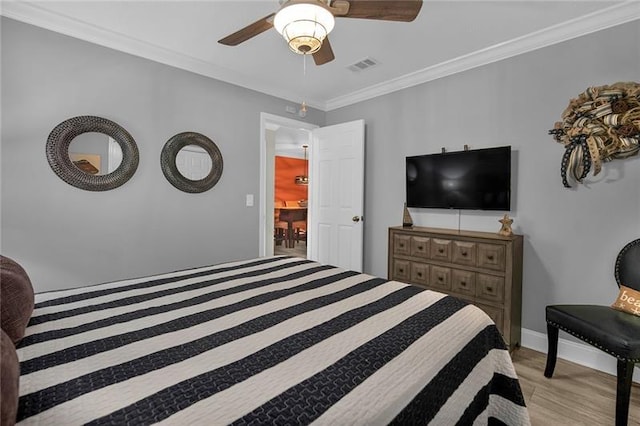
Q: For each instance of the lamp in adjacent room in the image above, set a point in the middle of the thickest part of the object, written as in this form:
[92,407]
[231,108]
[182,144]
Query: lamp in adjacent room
[304,25]
[303,179]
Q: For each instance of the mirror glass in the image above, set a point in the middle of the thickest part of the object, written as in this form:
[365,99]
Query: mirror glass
[193,162]
[95,153]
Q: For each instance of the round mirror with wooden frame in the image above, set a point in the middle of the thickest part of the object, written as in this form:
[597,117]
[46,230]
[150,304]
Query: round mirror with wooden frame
[77,171]
[176,175]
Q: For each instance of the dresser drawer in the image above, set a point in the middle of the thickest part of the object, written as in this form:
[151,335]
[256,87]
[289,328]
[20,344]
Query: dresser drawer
[491,256]
[490,288]
[402,244]
[420,247]
[440,278]
[464,253]
[463,282]
[496,314]
[419,273]
[441,249]
[401,270]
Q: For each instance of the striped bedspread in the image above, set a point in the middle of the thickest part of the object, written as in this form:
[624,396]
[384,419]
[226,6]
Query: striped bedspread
[275,340]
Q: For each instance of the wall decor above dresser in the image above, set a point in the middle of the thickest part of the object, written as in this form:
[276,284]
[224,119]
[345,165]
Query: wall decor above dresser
[480,267]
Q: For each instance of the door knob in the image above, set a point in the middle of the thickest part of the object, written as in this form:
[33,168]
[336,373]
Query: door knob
[356,218]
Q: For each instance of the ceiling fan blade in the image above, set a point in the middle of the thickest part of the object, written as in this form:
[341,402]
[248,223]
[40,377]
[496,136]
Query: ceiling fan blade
[252,30]
[386,10]
[325,54]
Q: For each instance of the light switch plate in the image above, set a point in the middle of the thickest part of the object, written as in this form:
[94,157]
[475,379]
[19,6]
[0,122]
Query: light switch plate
[249,200]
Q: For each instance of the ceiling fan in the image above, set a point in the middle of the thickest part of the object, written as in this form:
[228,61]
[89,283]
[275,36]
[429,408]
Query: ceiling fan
[305,24]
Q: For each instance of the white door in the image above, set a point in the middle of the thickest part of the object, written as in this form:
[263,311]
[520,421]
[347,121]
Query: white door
[114,155]
[336,204]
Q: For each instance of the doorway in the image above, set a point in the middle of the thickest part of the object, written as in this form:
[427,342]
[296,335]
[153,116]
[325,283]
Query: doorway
[280,135]
[336,190]
[291,195]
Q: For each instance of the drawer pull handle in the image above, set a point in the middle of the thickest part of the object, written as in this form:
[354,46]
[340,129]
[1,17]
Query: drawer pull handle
[419,247]
[463,283]
[490,257]
[490,289]
[464,253]
[419,274]
[401,270]
[440,278]
[440,250]
[401,245]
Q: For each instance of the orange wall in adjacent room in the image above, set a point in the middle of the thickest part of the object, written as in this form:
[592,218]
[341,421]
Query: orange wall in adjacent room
[287,169]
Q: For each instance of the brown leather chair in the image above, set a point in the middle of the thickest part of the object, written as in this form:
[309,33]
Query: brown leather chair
[280,227]
[615,332]
[300,227]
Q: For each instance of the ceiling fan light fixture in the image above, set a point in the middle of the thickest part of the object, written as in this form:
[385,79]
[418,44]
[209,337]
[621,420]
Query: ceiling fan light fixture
[304,26]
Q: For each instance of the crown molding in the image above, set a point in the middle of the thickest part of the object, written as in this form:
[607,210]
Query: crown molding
[32,14]
[608,17]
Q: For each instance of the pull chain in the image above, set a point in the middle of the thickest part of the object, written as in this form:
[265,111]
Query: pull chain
[303,106]
[304,65]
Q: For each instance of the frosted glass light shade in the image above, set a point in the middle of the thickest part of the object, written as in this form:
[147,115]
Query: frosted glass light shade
[304,26]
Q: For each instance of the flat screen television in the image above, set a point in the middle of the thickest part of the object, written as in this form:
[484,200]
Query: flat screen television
[478,179]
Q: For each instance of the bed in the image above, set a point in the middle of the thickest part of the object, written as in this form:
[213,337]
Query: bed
[273,340]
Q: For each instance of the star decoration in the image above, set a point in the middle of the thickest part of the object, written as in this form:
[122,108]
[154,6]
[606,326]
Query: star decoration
[506,222]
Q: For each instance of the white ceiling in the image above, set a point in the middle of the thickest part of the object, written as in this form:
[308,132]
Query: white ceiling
[447,37]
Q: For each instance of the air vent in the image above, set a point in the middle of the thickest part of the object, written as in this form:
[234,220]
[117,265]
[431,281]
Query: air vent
[363,65]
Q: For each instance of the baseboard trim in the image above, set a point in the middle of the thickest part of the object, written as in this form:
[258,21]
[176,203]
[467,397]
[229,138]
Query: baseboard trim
[575,352]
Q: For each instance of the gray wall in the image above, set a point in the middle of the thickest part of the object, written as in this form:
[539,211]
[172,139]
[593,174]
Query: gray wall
[64,236]
[571,236]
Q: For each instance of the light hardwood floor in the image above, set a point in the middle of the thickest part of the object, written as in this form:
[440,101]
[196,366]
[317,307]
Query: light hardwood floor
[575,395]
[299,250]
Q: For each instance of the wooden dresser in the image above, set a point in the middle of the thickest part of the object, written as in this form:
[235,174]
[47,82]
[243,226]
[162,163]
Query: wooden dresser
[480,267]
